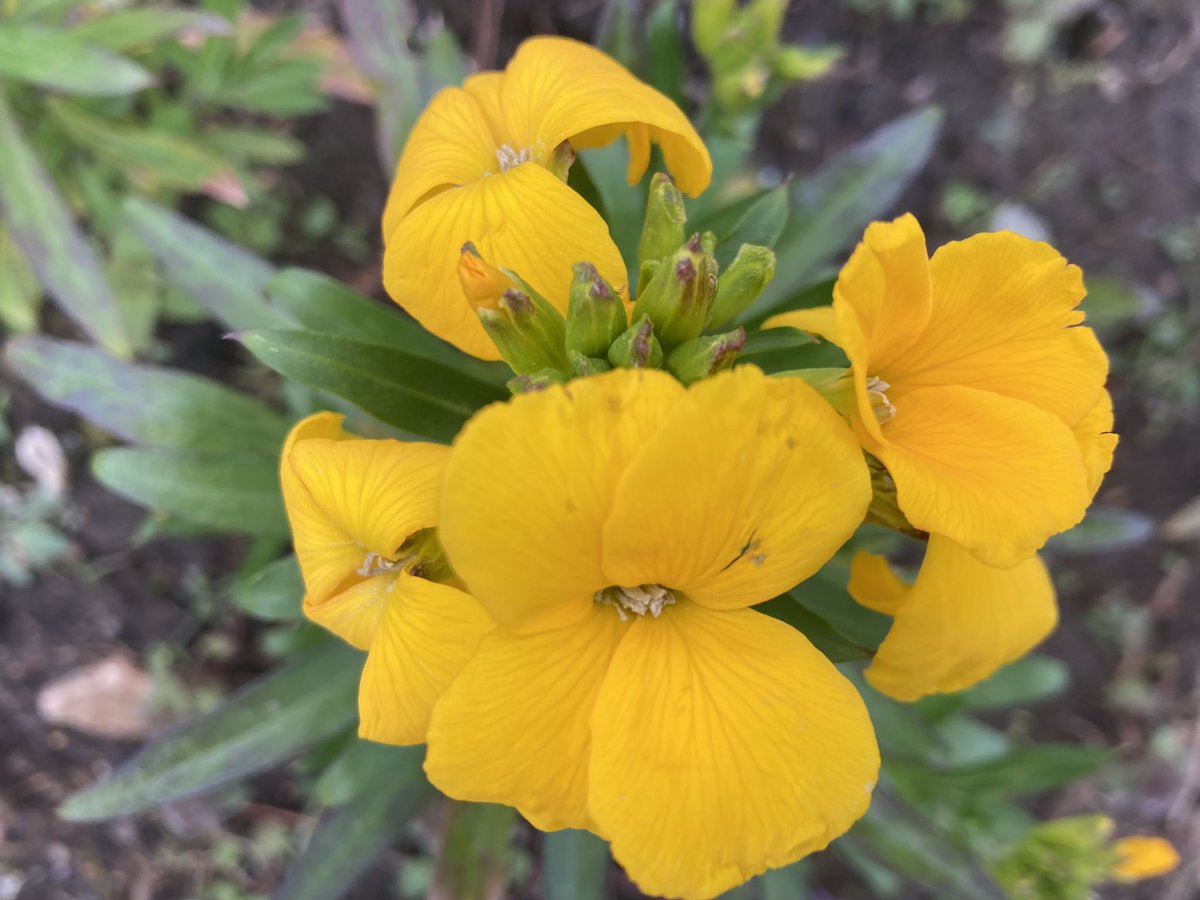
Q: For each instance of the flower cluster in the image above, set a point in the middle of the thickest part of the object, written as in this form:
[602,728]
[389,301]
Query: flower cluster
[561,604]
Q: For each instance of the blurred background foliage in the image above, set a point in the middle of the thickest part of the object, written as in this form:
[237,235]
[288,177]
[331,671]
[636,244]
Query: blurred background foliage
[173,174]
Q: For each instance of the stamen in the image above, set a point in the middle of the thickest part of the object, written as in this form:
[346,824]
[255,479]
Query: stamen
[639,599]
[880,404]
[510,157]
[375,564]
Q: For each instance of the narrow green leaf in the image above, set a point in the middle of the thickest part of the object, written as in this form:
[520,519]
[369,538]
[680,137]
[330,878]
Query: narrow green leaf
[227,491]
[260,726]
[149,405]
[283,87]
[20,293]
[131,29]
[415,394]
[831,208]
[274,592]
[351,837]
[253,146]
[223,278]
[1020,683]
[665,62]
[623,205]
[762,223]
[574,865]
[824,636]
[1026,770]
[58,60]
[471,861]
[41,225]
[1105,529]
[322,304]
[153,157]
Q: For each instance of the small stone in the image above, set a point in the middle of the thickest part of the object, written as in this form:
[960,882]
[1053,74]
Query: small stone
[107,699]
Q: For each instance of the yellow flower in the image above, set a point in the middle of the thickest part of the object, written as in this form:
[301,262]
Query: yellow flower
[486,163]
[975,383]
[1141,857]
[618,528]
[359,510]
[957,623]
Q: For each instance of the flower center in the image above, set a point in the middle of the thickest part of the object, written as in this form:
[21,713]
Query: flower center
[880,404]
[510,157]
[375,564]
[641,599]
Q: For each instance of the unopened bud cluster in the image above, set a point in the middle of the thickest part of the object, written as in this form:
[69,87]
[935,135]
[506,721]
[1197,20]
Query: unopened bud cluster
[681,300]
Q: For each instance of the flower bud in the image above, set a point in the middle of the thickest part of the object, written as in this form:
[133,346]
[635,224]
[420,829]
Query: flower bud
[529,333]
[740,284]
[662,229]
[595,313]
[704,356]
[637,348]
[680,295]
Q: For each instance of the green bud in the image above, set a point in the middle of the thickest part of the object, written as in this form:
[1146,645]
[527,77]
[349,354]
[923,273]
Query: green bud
[680,295]
[795,63]
[711,21]
[529,333]
[582,366]
[535,381]
[637,348]
[747,276]
[595,312]
[662,229]
[704,356]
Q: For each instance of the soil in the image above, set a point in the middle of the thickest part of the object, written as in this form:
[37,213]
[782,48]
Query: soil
[1110,165]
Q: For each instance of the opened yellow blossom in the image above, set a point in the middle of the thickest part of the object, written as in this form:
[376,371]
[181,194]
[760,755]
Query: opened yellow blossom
[1143,856]
[487,163]
[618,528]
[976,384]
[359,511]
[958,623]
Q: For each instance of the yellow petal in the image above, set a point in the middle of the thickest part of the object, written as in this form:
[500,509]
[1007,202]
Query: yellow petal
[529,487]
[994,474]
[819,320]
[749,486]
[428,633]
[556,88]
[882,299]
[524,220]
[451,144]
[1141,857]
[354,609]
[1097,443]
[1002,315]
[514,728]
[322,425]
[957,624]
[723,744]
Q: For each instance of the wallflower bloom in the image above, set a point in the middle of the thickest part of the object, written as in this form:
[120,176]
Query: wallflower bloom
[487,163]
[358,510]
[957,623]
[975,383]
[1143,856]
[618,528]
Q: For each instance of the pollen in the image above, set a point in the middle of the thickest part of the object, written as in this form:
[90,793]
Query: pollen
[510,157]
[641,600]
[880,404]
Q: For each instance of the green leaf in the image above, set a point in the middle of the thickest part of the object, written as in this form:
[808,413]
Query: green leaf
[415,394]
[824,636]
[1027,770]
[665,62]
[149,405]
[1021,683]
[153,158]
[41,225]
[322,304]
[120,30]
[471,861]
[223,278]
[275,591]
[831,208]
[354,769]
[762,223]
[1105,529]
[60,61]
[284,87]
[348,839]
[260,726]
[20,293]
[623,205]
[253,146]
[574,865]
[226,491]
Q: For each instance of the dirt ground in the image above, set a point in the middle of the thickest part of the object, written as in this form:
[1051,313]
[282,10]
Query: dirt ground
[1098,137]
